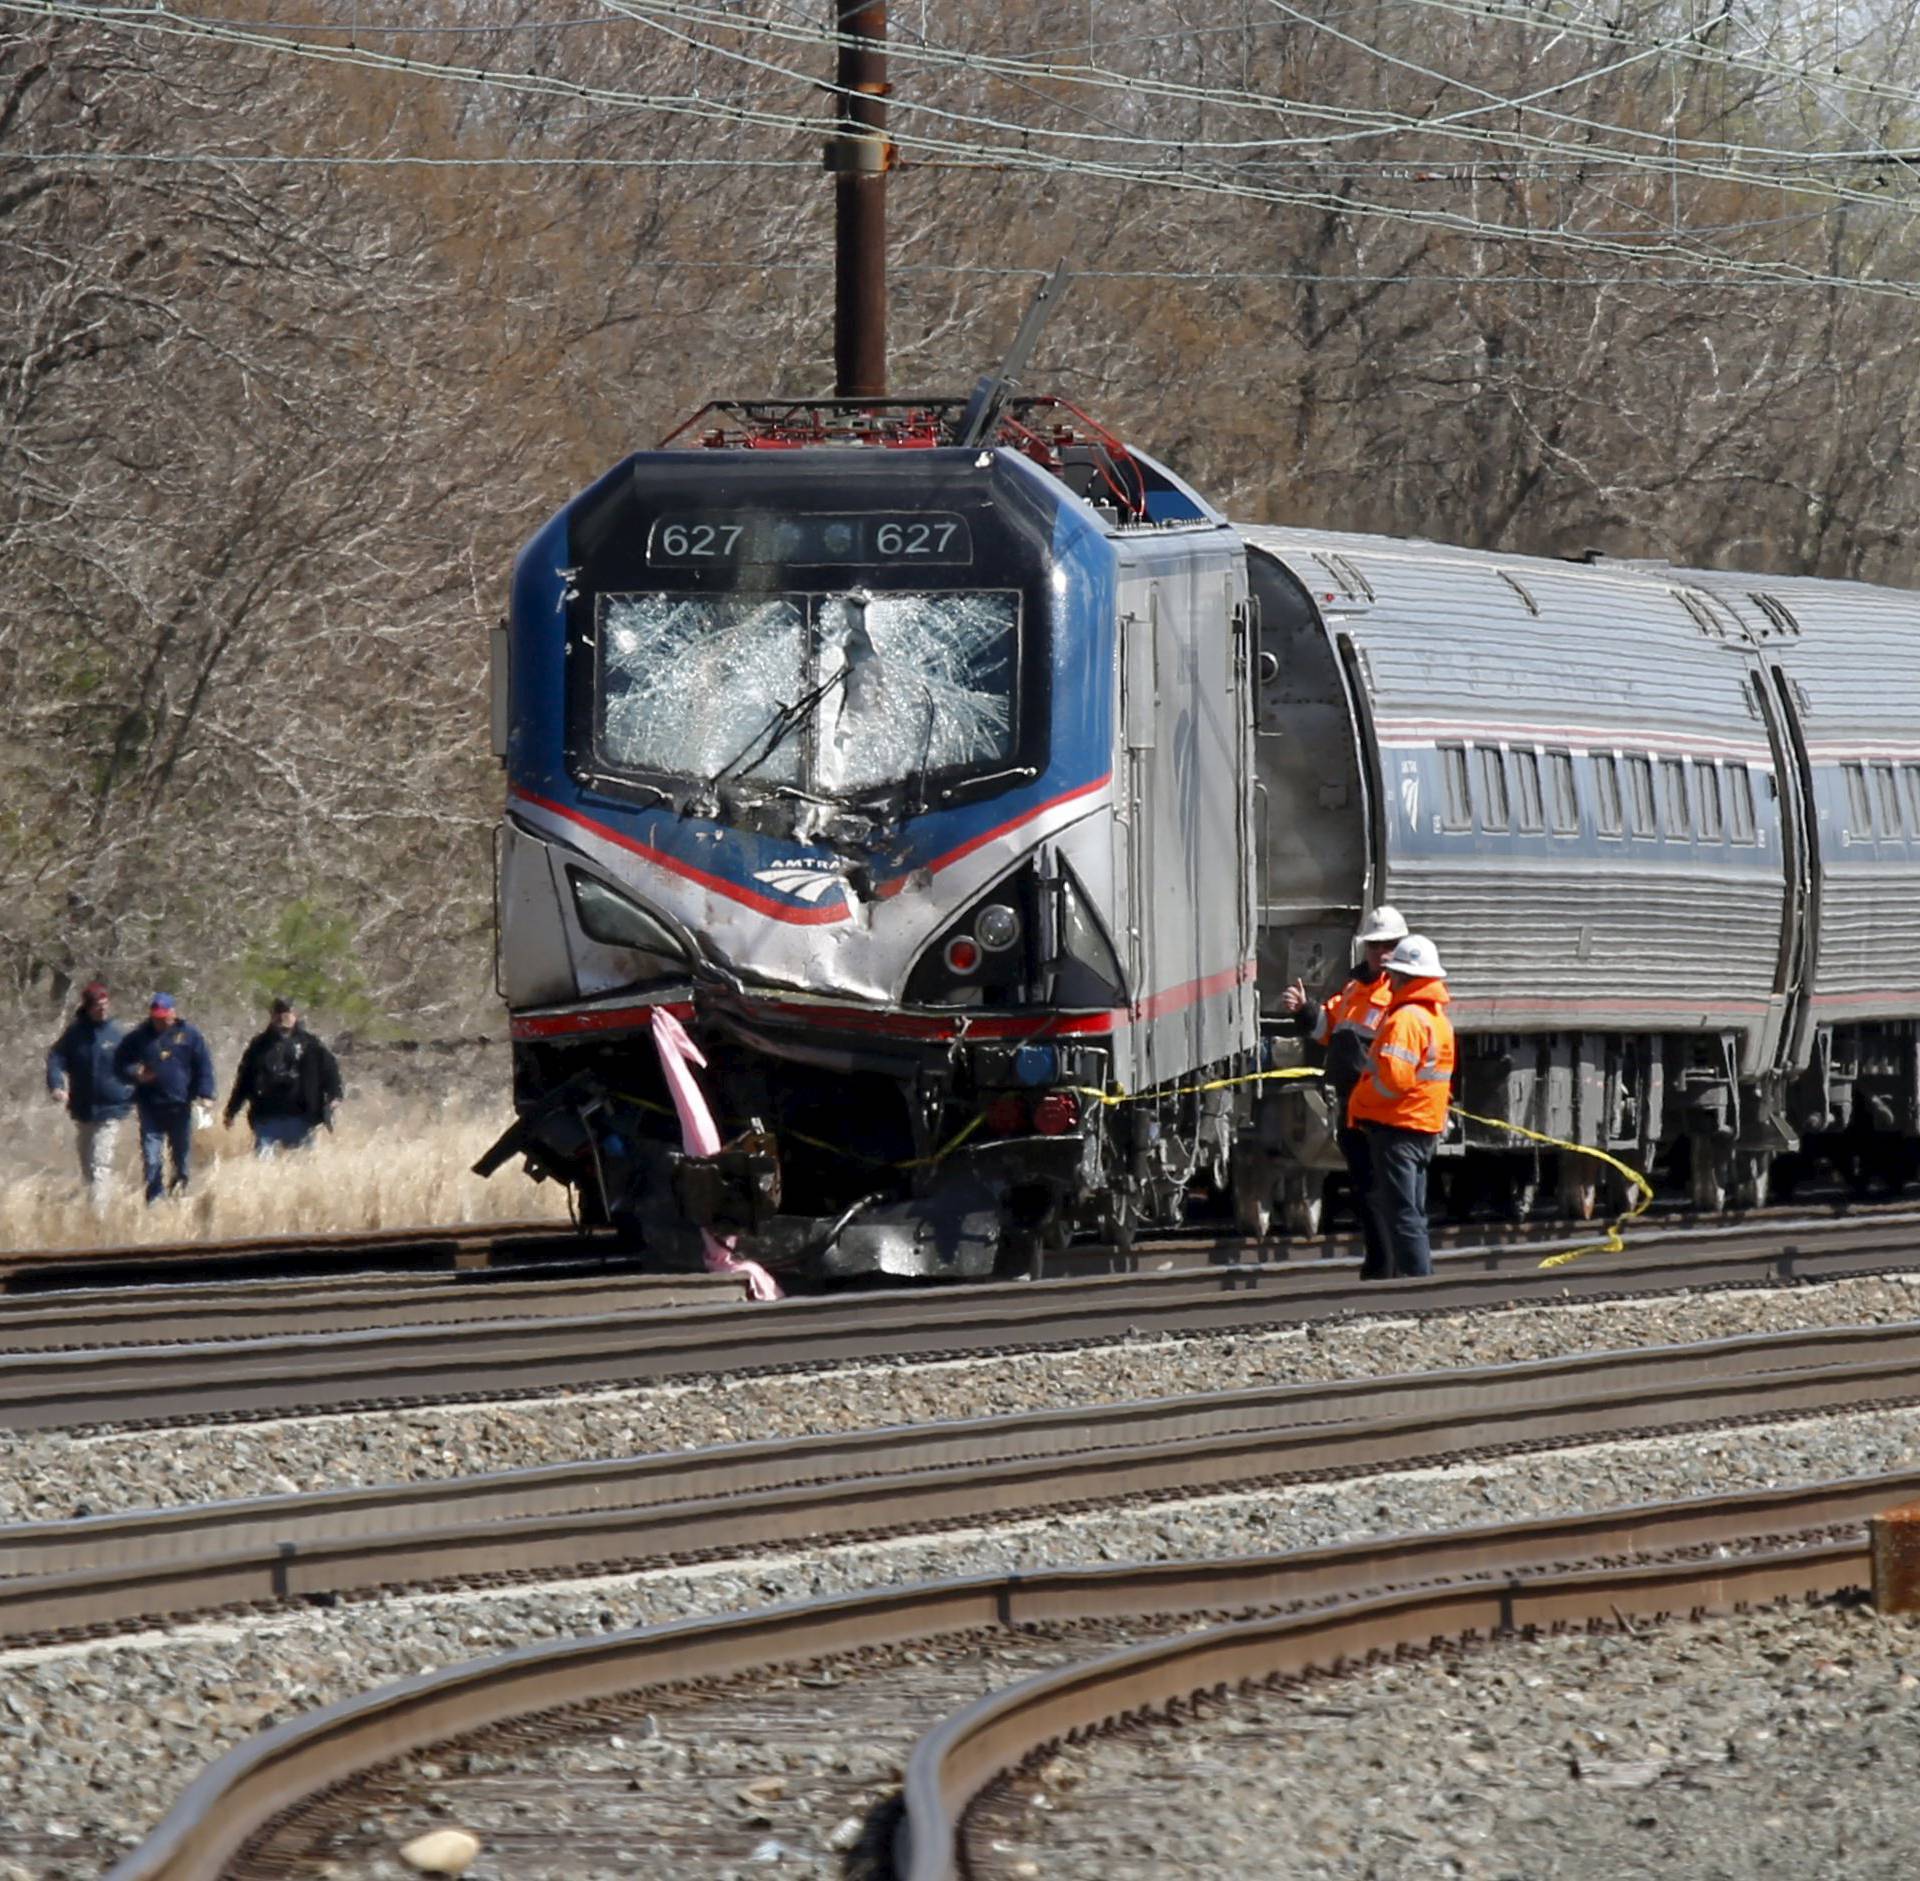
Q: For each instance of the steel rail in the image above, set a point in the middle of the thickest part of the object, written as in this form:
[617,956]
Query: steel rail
[153,1565]
[500,1359]
[1512,1582]
[79,1320]
[35,1270]
[956,1761]
[1161,1249]
[167,1315]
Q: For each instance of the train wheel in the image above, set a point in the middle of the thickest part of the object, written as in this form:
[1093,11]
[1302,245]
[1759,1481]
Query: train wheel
[1752,1175]
[1579,1187]
[1709,1174]
[1303,1204]
[1518,1193]
[1253,1214]
[1252,1188]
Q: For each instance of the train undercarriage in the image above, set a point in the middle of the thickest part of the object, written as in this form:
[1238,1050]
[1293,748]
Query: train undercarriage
[1675,1108]
[846,1155]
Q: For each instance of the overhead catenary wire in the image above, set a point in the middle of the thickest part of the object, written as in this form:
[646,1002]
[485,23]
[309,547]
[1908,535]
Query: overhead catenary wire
[1359,122]
[1689,48]
[1658,158]
[1660,245]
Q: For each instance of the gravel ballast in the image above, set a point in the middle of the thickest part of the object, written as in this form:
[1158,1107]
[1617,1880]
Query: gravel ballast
[96,1741]
[1781,1743]
[52,1476]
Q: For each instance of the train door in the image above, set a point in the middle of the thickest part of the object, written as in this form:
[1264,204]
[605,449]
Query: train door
[1314,823]
[1140,711]
[1800,915]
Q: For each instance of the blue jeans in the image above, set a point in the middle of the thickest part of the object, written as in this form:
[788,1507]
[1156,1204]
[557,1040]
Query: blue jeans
[1376,1264]
[160,1130]
[1400,1159]
[278,1133]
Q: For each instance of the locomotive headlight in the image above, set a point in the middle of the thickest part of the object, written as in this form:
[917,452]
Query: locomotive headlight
[963,955]
[616,920]
[997,927]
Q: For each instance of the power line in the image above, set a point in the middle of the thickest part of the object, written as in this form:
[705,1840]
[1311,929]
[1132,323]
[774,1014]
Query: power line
[216,159]
[1690,48]
[1661,246]
[1356,122]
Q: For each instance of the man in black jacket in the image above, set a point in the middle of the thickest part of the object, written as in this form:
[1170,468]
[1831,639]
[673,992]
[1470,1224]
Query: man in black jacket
[288,1081]
[81,1076]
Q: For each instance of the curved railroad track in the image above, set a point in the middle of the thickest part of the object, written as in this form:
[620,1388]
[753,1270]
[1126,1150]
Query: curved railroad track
[756,1513]
[277,1805]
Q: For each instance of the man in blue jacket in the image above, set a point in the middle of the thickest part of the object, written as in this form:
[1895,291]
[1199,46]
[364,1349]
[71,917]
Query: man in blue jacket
[81,1076]
[168,1064]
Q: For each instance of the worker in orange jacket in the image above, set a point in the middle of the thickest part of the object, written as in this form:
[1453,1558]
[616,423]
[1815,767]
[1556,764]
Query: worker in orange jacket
[1401,1104]
[1344,1025]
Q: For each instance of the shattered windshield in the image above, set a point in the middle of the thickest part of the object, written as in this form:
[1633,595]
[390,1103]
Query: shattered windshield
[686,680]
[830,694]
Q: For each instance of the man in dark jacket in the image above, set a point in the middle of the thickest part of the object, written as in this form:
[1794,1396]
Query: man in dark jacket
[288,1081]
[168,1064]
[81,1076]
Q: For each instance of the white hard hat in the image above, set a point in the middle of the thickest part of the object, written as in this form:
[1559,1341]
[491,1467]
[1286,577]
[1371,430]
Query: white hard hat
[1417,957]
[1383,924]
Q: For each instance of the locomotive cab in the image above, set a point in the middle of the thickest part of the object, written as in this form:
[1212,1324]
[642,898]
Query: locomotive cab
[821,742]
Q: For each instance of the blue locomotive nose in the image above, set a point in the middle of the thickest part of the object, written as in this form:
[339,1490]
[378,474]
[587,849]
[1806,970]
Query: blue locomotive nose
[848,758]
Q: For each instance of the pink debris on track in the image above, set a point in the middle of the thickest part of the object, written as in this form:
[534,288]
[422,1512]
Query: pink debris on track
[700,1136]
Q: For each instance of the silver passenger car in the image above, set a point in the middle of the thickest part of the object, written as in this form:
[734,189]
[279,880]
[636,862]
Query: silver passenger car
[1664,825]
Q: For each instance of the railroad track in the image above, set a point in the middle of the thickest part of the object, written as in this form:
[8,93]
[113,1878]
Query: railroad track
[286,1803]
[464,1245]
[549,1244]
[62,1578]
[751,1512]
[187,1312]
[241,1362]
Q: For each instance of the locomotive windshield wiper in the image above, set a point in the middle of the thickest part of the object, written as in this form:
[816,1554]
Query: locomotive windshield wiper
[776,731]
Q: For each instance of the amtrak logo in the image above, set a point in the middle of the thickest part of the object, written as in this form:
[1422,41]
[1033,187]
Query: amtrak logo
[806,881]
[1410,799]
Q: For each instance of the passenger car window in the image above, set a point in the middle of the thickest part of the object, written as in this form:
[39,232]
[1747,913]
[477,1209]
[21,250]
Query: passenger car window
[1679,810]
[1859,805]
[1566,799]
[1606,796]
[1640,785]
[1740,803]
[1457,808]
[1526,784]
[1706,780]
[1913,792]
[1493,787]
[1890,820]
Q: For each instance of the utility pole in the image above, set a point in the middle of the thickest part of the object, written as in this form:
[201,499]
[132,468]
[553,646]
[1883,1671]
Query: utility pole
[858,154]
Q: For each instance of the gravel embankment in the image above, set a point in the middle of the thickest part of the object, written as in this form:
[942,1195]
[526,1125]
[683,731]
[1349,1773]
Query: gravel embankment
[97,1740]
[53,1476]
[1776,1743]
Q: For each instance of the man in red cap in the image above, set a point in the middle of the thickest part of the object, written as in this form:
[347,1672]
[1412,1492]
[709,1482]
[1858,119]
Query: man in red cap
[168,1064]
[81,1076]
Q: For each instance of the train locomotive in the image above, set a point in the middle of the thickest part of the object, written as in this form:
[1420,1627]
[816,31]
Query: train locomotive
[970,788]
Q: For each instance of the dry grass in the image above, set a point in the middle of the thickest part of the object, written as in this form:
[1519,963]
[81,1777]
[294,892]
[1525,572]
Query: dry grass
[395,1161]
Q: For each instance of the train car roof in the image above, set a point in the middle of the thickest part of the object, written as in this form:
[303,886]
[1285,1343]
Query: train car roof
[1619,634]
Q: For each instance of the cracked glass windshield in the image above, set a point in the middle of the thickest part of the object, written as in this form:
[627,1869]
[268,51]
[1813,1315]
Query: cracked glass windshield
[831,694]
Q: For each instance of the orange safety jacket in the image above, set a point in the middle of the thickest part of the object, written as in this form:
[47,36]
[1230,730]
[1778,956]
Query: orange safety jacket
[1345,1025]
[1410,1066]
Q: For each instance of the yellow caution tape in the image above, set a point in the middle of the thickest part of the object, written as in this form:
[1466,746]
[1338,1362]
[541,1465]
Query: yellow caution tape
[1112,1099]
[1615,1243]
